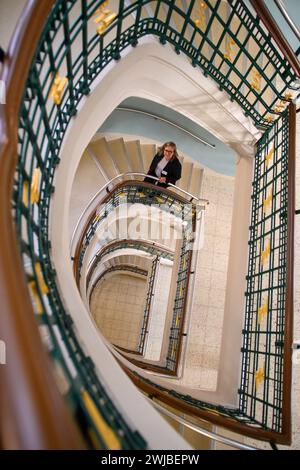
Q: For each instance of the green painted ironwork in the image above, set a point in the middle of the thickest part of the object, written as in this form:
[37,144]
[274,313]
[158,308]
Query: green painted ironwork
[125,244]
[229,45]
[146,248]
[127,194]
[133,192]
[179,301]
[261,388]
[222,411]
[149,297]
[77,369]
[120,267]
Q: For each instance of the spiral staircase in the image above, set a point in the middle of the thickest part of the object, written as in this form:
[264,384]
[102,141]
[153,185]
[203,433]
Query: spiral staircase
[214,351]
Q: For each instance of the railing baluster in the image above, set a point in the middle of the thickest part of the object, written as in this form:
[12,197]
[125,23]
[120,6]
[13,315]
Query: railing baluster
[85,89]
[117,55]
[163,34]
[68,44]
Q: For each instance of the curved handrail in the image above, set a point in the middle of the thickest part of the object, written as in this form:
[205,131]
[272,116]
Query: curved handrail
[105,187]
[171,398]
[119,267]
[211,435]
[287,18]
[271,25]
[115,244]
[159,118]
[27,380]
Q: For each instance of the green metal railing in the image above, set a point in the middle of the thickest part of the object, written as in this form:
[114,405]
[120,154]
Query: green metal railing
[266,352]
[132,192]
[150,248]
[124,195]
[176,330]
[146,247]
[261,391]
[77,369]
[229,45]
[194,405]
[226,36]
[149,297]
[120,267]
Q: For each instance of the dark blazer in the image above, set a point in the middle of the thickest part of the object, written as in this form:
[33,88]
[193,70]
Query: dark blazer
[172,171]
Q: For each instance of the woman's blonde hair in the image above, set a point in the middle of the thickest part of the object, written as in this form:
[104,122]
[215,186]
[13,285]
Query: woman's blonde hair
[170,144]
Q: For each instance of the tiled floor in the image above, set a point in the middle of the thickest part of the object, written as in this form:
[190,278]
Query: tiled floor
[117,304]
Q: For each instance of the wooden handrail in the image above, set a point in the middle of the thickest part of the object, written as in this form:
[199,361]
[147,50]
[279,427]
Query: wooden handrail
[206,415]
[271,25]
[289,296]
[33,413]
[112,244]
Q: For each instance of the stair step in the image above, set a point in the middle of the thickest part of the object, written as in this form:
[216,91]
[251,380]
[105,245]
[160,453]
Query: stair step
[100,150]
[118,151]
[148,152]
[133,148]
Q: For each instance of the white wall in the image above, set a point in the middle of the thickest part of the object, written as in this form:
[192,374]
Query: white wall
[10,11]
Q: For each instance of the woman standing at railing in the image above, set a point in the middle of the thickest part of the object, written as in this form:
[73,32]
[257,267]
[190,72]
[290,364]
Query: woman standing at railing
[165,166]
